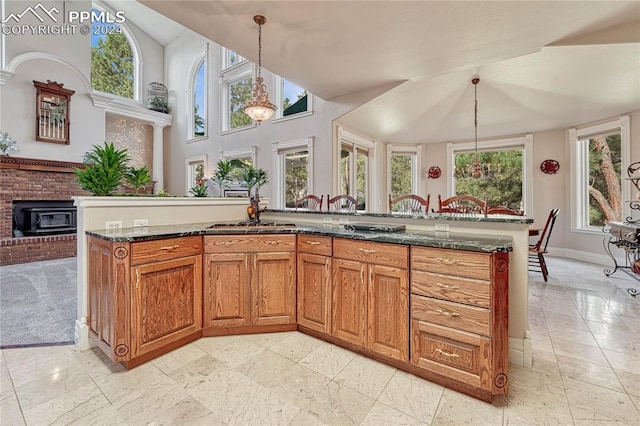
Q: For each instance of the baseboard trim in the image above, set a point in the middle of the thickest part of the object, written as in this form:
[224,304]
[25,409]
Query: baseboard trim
[585,256]
[520,352]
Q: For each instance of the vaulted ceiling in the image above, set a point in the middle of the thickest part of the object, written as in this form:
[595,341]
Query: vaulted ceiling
[542,65]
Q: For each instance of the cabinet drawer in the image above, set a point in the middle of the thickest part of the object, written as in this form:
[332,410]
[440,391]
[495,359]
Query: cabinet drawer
[456,289]
[455,354]
[165,249]
[368,252]
[314,244]
[453,262]
[449,314]
[249,243]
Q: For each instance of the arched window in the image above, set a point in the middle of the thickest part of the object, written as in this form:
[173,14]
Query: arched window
[114,57]
[197,94]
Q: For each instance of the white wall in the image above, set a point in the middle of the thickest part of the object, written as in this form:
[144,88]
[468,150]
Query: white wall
[67,60]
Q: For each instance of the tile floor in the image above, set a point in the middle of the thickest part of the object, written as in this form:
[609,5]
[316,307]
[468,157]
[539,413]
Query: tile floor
[586,371]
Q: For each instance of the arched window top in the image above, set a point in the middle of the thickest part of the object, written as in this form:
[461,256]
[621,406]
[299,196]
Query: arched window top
[116,63]
[197,96]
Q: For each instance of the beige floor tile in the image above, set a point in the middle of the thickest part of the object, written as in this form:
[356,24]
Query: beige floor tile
[587,372]
[538,381]
[340,405]
[578,336]
[383,415]
[630,381]
[209,344]
[105,416]
[178,358]
[203,369]
[579,351]
[237,351]
[459,409]
[268,339]
[96,363]
[265,367]
[585,417]
[366,376]
[413,396]
[624,361]
[10,412]
[560,321]
[541,342]
[533,408]
[628,344]
[296,346]
[117,385]
[45,388]
[616,405]
[29,363]
[303,418]
[328,359]
[617,329]
[298,385]
[68,408]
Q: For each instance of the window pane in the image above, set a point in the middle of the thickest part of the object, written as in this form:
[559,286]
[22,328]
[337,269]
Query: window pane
[198,102]
[233,58]
[501,180]
[605,162]
[112,65]
[362,173]
[346,155]
[296,176]
[239,95]
[401,173]
[294,99]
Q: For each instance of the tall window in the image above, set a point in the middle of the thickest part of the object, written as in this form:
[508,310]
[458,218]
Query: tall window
[198,97]
[291,99]
[600,154]
[507,172]
[113,62]
[354,172]
[293,171]
[195,171]
[239,158]
[403,169]
[236,92]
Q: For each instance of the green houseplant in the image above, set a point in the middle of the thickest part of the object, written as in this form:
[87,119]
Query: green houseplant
[199,189]
[253,177]
[105,171]
[138,178]
[222,175]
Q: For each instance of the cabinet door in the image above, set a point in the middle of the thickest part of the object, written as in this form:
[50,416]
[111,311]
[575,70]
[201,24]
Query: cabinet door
[314,291]
[167,302]
[349,309]
[273,288]
[226,290]
[388,311]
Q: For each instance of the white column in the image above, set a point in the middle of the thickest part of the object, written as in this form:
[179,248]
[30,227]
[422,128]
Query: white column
[158,156]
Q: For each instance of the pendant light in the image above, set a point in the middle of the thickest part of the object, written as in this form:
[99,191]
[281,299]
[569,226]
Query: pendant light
[476,170]
[259,108]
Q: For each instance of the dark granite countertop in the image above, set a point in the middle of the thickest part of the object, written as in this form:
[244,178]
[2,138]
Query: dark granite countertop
[450,240]
[467,217]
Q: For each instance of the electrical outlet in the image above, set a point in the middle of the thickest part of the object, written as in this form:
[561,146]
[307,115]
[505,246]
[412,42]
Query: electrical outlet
[137,223]
[442,227]
[113,225]
[327,220]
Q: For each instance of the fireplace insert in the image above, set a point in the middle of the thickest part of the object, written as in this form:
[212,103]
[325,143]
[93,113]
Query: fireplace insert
[43,217]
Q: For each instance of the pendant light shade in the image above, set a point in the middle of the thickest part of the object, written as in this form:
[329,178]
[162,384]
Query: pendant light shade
[259,108]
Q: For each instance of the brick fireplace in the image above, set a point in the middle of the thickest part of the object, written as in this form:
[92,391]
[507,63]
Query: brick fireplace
[23,179]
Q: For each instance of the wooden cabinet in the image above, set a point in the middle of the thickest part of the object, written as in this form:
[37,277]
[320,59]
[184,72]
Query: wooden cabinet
[314,282]
[459,314]
[371,295]
[249,280]
[141,303]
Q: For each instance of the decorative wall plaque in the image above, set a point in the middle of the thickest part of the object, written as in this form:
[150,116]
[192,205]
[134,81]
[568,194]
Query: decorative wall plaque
[550,167]
[434,172]
[52,112]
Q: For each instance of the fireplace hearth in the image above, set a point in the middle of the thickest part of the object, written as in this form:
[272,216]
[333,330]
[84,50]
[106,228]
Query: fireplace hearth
[43,217]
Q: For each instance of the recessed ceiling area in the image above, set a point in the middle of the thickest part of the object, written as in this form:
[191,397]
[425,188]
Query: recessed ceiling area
[543,65]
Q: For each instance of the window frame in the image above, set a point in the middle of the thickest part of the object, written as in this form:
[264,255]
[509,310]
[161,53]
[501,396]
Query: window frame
[201,60]
[225,67]
[190,163]
[525,141]
[415,151]
[579,157]
[228,77]
[279,99]
[280,149]
[137,58]
[347,137]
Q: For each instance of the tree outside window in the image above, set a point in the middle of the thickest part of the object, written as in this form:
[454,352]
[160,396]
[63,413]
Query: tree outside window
[239,95]
[294,99]
[501,183]
[296,176]
[401,174]
[604,180]
[199,96]
[112,61]
[354,173]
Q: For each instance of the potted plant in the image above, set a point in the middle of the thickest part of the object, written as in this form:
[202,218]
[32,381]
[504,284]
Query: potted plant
[222,175]
[138,178]
[199,189]
[157,103]
[105,169]
[253,177]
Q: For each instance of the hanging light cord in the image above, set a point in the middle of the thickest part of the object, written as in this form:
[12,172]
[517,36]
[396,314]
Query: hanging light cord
[475,122]
[259,48]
